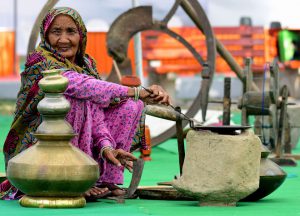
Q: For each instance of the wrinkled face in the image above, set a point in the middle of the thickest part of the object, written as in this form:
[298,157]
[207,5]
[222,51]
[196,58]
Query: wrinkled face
[64,37]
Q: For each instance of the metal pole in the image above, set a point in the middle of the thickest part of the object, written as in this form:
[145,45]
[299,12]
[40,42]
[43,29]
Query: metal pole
[226,101]
[180,139]
[15,14]
[138,50]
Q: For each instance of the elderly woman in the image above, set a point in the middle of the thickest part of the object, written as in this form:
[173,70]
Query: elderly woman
[105,129]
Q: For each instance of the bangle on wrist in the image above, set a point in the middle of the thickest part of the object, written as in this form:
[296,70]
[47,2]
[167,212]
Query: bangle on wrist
[103,149]
[136,93]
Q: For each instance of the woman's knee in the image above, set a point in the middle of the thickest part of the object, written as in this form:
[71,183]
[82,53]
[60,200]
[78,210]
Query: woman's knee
[134,106]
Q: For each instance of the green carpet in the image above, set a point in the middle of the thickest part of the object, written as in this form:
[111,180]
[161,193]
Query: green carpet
[163,167]
[5,122]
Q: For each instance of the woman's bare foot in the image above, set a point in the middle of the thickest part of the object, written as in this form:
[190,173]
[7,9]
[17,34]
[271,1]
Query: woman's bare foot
[115,189]
[96,192]
[118,192]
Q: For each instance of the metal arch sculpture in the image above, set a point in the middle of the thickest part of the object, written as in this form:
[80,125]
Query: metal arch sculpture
[125,26]
[36,26]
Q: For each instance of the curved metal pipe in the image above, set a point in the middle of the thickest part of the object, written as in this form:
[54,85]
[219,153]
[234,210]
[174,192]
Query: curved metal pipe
[119,36]
[36,26]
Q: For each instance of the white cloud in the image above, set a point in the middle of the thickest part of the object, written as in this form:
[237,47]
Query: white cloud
[97,25]
[175,21]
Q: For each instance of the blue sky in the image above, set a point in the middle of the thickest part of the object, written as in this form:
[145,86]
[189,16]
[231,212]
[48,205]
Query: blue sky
[101,13]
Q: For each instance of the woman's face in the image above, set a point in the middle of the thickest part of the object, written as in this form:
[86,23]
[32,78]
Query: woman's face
[64,37]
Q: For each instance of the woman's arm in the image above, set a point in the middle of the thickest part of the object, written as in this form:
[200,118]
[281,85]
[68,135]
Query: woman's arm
[85,87]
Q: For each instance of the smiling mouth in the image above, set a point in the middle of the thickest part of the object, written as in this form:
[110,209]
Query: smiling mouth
[63,49]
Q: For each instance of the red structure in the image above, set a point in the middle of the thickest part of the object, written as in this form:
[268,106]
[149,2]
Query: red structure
[242,41]
[7,52]
[96,47]
[165,54]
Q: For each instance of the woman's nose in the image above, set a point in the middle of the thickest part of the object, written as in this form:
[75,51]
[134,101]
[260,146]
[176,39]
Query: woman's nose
[63,38]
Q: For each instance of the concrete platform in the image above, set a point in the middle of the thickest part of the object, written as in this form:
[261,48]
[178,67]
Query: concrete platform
[9,88]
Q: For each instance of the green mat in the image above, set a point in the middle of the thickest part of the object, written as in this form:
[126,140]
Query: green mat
[5,122]
[163,167]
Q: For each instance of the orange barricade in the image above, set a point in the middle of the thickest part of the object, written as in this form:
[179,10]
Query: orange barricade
[7,50]
[241,42]
[96,47]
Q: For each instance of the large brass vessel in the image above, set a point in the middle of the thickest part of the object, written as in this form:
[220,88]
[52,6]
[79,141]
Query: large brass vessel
[271,177]
[53,173]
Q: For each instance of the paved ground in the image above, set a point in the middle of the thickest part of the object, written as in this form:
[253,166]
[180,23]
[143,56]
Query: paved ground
[9,87]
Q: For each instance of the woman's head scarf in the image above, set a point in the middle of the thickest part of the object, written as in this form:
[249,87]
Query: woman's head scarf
[27,118]
[52,14]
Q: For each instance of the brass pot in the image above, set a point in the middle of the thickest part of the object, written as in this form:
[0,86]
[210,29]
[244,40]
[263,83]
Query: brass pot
[271,177]
[53,173]
[52,168]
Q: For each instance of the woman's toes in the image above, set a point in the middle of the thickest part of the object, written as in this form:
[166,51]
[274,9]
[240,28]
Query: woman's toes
[118,192]
[95,191]
[101,190]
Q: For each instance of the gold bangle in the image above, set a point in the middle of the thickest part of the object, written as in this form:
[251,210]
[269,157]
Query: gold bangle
[103,149]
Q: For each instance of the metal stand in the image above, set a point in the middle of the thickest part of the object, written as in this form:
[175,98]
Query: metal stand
[272,104]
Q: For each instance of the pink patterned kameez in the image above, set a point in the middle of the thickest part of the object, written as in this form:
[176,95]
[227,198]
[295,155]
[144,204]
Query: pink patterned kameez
[98,123]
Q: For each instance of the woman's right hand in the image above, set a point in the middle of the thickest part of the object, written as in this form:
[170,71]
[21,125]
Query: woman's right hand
[157,96]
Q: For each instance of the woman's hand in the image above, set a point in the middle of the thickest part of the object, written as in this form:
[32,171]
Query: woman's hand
[119,157]
[157,96]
